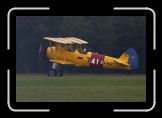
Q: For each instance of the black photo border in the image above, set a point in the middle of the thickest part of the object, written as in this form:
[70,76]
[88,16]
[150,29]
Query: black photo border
[112,107]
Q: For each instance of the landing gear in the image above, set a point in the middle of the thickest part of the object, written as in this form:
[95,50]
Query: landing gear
[59,73]
[128,72]
[52,73]
[56,70]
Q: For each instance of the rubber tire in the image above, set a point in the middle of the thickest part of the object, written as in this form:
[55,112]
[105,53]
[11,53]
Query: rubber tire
[59,73]
[52,73]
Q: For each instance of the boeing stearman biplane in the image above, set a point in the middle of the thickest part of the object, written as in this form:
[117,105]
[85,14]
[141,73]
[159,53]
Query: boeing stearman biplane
[70,51]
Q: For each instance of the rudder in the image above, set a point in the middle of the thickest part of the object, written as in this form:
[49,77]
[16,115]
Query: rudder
[133,58]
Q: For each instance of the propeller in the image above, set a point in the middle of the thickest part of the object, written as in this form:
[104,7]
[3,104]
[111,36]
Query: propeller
[40,48]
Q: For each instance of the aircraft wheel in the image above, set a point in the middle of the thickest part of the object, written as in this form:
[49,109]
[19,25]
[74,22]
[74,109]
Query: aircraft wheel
[59,73]
[52,73]
[128,73]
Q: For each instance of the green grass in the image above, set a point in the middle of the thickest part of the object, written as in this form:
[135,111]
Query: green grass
[75,88]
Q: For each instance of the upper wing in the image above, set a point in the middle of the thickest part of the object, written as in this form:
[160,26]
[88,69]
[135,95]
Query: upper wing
[58,40]
[69,40]
[76,40]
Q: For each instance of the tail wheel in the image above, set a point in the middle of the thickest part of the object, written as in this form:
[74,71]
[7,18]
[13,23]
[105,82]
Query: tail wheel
[59,73]
[52,73]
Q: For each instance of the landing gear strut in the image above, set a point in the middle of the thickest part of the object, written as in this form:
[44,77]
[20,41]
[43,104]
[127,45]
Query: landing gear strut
[56,70]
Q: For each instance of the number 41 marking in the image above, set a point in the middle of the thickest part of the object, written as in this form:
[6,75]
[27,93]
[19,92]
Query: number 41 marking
[95,61]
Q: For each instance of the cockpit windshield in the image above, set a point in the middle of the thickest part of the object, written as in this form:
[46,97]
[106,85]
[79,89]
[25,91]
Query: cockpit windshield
[80,48]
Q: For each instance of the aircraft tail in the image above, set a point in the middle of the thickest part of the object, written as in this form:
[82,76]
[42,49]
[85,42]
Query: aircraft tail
[130,57]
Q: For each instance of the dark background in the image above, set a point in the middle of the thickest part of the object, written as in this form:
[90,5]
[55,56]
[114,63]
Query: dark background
[108,35]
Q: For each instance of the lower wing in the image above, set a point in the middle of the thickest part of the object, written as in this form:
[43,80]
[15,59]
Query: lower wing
[61,62]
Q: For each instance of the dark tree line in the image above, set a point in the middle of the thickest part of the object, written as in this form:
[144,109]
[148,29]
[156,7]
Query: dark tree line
[108,35]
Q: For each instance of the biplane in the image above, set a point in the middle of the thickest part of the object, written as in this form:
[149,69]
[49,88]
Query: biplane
[70,51]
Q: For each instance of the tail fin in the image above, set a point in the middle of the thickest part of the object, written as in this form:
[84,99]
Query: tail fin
[133,58]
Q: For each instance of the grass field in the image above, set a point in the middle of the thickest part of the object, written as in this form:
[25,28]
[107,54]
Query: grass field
[81,88]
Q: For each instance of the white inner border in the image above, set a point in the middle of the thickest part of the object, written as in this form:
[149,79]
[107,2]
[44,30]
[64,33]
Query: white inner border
[154,48]
[47,110]
[8,19]
[154,19]
[8,48]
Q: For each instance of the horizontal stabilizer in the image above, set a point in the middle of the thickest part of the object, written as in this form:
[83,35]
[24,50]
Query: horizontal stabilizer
[121,62]
[129,58]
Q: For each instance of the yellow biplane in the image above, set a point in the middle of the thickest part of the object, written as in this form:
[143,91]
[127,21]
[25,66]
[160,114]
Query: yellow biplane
[70,51]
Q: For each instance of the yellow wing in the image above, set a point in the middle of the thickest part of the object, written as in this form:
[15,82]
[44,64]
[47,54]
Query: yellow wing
[68,40]
[61,62]
[58,40]
[75,40]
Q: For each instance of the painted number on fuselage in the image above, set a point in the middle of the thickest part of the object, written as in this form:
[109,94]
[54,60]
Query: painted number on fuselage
[97,60]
